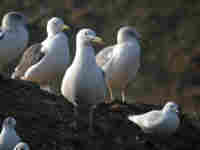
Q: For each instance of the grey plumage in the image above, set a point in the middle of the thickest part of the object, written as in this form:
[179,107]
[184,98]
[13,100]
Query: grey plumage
[48,60]
[8,135]
[121,61]
[84,81]
[13,37]
[160,122]
[30,57]
[104,56]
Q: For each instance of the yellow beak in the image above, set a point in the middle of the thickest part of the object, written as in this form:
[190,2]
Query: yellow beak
[98,40]
[66,27]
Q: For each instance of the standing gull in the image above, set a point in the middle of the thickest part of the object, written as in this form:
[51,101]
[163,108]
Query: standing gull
[13,37]
[48,60]
[121,61]
[83,82]
[8,135]
[160,122]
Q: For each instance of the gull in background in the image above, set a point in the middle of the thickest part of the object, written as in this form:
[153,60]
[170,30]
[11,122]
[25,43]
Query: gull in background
[8,135]
[48,60]
[121,61]
[14,38]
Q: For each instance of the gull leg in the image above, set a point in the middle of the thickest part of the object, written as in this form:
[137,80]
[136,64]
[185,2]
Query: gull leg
[91,119]
[110,93]
[123,93]
[76,114]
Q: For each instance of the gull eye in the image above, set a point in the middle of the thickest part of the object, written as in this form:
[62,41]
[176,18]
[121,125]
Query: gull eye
[86,33]
[54,22]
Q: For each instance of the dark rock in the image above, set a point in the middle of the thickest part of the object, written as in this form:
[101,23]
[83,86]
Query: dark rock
[44,121]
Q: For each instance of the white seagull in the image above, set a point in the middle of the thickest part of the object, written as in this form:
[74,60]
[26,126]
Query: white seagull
[159,122]
[84,82]
[13,37]
[121,61]
[48,60]
[8,135]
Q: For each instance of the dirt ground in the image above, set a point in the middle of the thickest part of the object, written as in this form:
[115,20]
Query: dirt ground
[45,121]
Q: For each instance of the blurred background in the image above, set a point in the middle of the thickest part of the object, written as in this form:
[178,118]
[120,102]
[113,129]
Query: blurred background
[170,40]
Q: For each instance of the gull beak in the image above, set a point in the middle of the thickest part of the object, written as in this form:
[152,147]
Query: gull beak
[98,40]
[66,27]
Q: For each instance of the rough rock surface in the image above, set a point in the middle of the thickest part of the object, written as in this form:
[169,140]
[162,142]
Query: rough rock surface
[45,122]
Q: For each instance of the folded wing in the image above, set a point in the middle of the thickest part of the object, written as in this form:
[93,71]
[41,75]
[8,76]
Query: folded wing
[30,57]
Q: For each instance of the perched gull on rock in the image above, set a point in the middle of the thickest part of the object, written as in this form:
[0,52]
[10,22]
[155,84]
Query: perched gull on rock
[84,82]
[8,135]
[160,122]
[121,61]
[13,37]
[22,146]
[48,60]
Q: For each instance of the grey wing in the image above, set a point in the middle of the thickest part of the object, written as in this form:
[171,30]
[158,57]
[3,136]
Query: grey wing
[30,57]
[151,120]
[104,78]
[2,34]
[104,56]
[154,117]
[103,72]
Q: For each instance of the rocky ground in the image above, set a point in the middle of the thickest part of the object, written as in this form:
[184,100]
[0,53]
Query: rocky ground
[46,122]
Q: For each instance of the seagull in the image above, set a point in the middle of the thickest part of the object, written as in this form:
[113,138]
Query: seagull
[22,146]
[48,60]
[14,37]
[8,135]
[159,122]
[84,81]
[121,61]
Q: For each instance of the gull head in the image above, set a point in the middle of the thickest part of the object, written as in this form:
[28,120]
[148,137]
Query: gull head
[88,37]
[22,146]
[9,122]
[13,20]
[170,107]
[56,25]
[126,33]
